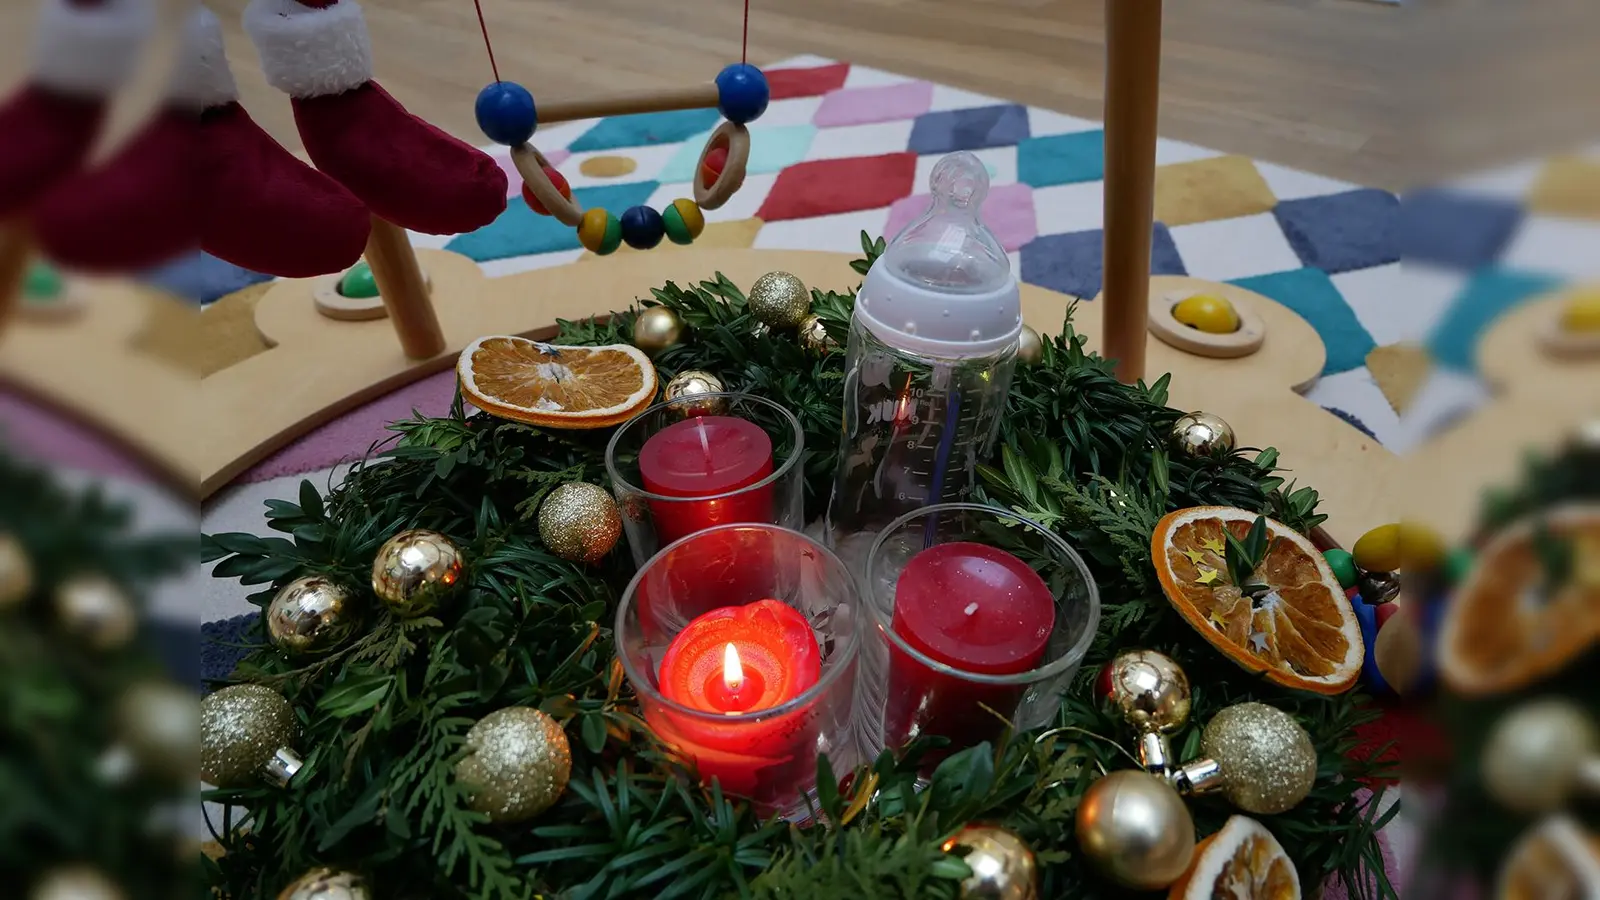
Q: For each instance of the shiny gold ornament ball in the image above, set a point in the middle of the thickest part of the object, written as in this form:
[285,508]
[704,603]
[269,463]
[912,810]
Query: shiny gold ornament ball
[96,610]
[656,328]
[313,614]
[16,572]
[1201,434]
[1536,754]
[159,721]
[1030,347]
[517,764]
[1150,690]
[1002,864]
[327,883]
[415,571]
[813,335]
[779,300]
[1135,830]
[692,383]
[1267,760]
[580,522]
[241,727]
[76,882]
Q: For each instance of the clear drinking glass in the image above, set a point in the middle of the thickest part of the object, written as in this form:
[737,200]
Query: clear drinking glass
[654,515]
[1035,601]
[767,755]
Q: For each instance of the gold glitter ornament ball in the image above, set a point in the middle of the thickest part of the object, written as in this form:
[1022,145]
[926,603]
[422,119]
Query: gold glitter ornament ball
[1535,756]
[1267,760]
[656,328]
[415,571]
[77,882]
[814,335]
[16,572]
[692,383]
[579,521]
[1149,689]
[242,727]
[1135,830]
[159,721]
[96,610]
[327,883]
[1201,434]
[517,764]
[1030,347]
[779,300]
[312,614]
[1003,866]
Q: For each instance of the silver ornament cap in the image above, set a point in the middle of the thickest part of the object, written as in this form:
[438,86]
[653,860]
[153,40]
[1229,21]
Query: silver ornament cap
[1267,761]
[517,764]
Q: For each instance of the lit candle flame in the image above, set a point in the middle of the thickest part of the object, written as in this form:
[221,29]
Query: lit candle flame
[732,670]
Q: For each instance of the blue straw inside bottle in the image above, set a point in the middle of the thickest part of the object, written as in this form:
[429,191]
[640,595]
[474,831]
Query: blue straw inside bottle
[941,459]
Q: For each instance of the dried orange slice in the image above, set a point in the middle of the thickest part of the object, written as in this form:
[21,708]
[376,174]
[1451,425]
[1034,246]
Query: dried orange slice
[1243,861]
[1505,627]
[1555,860]
[1296,625]
[558,387]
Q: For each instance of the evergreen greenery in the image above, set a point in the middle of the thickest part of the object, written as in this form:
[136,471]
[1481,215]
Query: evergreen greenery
[383,718]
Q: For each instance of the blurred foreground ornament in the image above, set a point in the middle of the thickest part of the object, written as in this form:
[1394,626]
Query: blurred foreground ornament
[1378,588]
[1030,347]
[692,383]
[779,300]
[415,571]
[814,335]
[327,883]
[579,521]
[656,328]
[1258,756]
[159,721]
[1152,693]
[312,614]
[1002,864]
[1554,858]
[96,610]
[1198,434]
[1135,830]
[517,764]
[1541,753]
[76,882]
[16,572]
[246,731]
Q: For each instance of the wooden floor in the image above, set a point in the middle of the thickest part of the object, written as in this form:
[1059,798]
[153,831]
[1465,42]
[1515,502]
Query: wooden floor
[1315,84]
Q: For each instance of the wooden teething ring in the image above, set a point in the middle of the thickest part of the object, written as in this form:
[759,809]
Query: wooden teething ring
[530,165]
[1244,341]
[737,139]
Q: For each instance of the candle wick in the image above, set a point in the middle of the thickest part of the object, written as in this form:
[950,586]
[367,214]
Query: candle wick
[705,444]
[971,608]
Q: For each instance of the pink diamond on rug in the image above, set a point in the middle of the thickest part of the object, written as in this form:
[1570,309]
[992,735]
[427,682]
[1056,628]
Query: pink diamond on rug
[861,106]
[1008,212]
[348,437]
[513,177]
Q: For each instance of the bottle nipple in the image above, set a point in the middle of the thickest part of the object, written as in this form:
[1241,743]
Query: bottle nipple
[948,248]
[961,181]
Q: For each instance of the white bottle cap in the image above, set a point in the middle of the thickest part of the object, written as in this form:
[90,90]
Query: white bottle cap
[944,286]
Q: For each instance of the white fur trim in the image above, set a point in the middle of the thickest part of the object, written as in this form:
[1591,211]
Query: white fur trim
[309,52]
[90,50]
[202,79]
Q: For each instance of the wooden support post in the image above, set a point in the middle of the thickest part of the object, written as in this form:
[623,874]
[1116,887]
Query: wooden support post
[16,251]
[404,292]
[1133,92]
[699,96]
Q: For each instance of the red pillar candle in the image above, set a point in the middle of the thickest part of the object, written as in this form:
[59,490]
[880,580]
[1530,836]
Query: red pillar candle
[704,456]
[735,661]
[974,608]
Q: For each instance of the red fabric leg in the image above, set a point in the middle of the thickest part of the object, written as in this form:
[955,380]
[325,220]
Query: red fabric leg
[404,169]
[268,211]
[46,137]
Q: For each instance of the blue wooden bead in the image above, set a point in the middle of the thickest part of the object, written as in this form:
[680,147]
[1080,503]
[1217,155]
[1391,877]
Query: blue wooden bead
[742,93]
[506,113]
[642,227]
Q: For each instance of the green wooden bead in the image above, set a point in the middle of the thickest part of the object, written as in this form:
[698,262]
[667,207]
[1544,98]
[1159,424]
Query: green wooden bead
[1457,563]
[612,238]
[358,282]
[1343,566]
[677,229]
[43,282]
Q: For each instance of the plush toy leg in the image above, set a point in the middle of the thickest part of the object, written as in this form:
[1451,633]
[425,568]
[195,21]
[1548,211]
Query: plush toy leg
[403,168]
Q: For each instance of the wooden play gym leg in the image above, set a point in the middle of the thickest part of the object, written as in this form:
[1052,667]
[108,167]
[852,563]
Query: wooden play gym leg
[1133,92]
[16,250]
[403,289]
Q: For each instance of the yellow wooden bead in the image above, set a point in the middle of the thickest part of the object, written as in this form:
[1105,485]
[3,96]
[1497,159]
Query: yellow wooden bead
[599,231]
[1207,312]
[693,219]
[1379,549]
[1582,312]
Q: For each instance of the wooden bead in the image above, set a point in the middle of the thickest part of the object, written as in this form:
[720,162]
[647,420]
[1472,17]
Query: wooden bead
[710,170]
[683,221]
[642,227]
[599,232]
[557,180]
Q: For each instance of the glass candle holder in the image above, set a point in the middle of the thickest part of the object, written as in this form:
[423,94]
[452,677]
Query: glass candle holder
[979,617]
[741,643]
[706,460]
